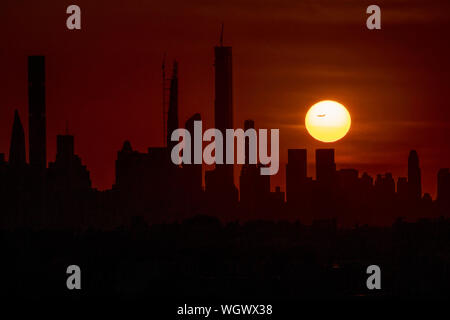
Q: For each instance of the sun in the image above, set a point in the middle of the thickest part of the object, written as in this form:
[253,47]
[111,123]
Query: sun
[328,121]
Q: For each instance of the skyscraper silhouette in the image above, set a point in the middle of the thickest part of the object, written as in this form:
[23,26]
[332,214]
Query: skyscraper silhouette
[325,166]
[220,181]
[223,103]
[414,176]
[67,173]
[193,172]
[65,147]
[295,174]
[17,153]
[249,179]
[172,114]
[37,117]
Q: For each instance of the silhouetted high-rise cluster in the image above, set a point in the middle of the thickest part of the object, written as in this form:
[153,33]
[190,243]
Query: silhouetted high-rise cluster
[149,186]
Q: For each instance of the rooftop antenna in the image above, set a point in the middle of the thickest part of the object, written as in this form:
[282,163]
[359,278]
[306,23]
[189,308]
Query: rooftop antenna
[221,36]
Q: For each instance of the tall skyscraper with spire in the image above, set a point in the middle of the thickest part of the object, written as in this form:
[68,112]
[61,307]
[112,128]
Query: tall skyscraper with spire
[414,175]
[37,117]
[220,182]
[223,103]
[17,153]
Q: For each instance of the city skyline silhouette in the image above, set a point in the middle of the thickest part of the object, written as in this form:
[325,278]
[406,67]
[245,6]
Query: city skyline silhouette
[171,123]
[147,184]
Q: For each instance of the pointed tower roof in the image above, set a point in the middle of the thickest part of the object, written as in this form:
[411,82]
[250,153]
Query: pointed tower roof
[17,153]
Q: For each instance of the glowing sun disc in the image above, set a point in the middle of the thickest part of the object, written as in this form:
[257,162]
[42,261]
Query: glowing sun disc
[328,121]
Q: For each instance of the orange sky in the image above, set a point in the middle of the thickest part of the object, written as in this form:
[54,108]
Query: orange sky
[288,54]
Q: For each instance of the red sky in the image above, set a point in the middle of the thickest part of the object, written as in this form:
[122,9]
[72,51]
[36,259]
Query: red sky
[288,54]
